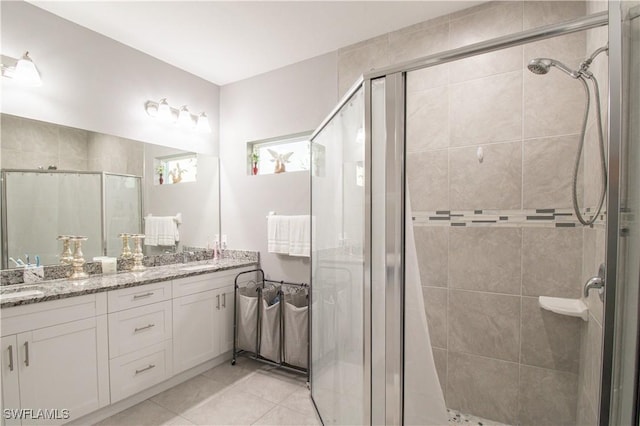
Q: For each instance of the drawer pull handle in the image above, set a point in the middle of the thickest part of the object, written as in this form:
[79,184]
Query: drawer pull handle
[140,296]
[224,300]
[147,368]
[146,327]
[218,303]
[26,353]
[10,358]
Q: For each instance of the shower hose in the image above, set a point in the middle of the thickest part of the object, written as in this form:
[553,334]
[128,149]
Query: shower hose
[574,194]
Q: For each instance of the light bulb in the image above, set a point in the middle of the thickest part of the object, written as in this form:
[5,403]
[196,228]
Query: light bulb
[184,117]
[26,72]
[203,124]
[151,108]
[164,111]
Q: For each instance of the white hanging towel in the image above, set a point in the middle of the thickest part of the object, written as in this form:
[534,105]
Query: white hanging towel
[299,236]
[278,234]
[160,231]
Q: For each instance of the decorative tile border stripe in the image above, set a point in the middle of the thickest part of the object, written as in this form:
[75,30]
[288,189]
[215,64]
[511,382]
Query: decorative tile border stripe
[559,218]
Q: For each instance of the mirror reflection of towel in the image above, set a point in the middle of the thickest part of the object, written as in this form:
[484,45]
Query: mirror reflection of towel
[160,231]
[278,234]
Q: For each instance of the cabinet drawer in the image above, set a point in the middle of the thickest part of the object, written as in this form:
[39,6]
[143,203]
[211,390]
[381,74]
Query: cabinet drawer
[204,282]
[19,319]
[140,370]
[137,328]
[127,298]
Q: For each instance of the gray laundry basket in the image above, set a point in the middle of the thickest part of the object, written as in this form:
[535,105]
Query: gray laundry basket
[247,318]
[262,317]
[296,329]
[270,324]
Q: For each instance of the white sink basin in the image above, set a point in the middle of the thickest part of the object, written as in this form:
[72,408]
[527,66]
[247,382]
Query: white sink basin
[198,267]
[16,294]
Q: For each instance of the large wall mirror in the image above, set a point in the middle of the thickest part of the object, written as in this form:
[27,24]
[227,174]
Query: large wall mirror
[58,180]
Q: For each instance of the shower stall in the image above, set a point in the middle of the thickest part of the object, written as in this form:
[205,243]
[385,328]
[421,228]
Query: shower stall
[39,205]
[462,191]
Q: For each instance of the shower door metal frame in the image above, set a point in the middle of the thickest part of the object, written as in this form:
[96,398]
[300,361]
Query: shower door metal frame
[613,213]
[394,287]
[394,250]
[395,366]
[4,261]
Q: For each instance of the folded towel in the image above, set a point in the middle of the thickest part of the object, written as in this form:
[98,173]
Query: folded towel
[160,231]
[278,234]
[299,236]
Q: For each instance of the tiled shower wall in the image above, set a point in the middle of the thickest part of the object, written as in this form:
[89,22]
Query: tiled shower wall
[29,144]
[494,234]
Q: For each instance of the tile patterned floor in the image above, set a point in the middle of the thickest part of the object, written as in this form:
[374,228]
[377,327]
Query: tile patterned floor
[249,393]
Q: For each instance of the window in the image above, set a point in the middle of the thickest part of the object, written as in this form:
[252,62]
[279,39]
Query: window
[175,169]
[279,155]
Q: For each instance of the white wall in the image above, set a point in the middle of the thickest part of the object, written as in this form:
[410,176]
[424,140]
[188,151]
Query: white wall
[289,100]
[95,83]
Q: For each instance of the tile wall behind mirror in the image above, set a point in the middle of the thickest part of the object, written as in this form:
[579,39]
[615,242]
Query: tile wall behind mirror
[38,205]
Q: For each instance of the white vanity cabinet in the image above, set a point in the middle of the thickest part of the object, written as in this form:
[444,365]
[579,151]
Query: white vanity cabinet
[54,356]
[202,318]
[83,353]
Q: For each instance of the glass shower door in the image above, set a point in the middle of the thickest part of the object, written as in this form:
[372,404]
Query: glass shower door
[123,209]
[338,200]
[42,205]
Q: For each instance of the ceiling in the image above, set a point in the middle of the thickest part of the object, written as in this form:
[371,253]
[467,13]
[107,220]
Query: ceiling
[227,41]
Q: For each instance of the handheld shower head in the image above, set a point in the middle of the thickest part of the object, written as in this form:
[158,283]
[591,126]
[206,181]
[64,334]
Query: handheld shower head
[542,66]
[539,66]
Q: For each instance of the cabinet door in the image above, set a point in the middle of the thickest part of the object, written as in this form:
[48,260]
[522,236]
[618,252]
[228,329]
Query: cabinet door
[10,385]
[65,367]
[194,337]
[224,323]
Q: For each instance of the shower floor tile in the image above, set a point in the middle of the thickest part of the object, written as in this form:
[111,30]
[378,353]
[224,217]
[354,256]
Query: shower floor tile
[458,418]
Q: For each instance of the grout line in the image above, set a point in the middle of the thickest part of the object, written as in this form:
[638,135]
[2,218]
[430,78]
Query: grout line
[160,405]
[522,190]
[489,292]
[445,386]
[268,411]
[485,357]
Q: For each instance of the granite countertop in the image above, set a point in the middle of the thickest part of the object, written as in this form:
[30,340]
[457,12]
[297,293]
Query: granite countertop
[63,288]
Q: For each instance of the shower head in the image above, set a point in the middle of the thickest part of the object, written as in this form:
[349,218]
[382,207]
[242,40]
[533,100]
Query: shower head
[543,65]
[539,66]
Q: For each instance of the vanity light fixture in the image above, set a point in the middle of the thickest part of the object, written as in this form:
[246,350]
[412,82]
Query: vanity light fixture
[184,117]
[164,111]
[203,124]
[181,116]
[24,71]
